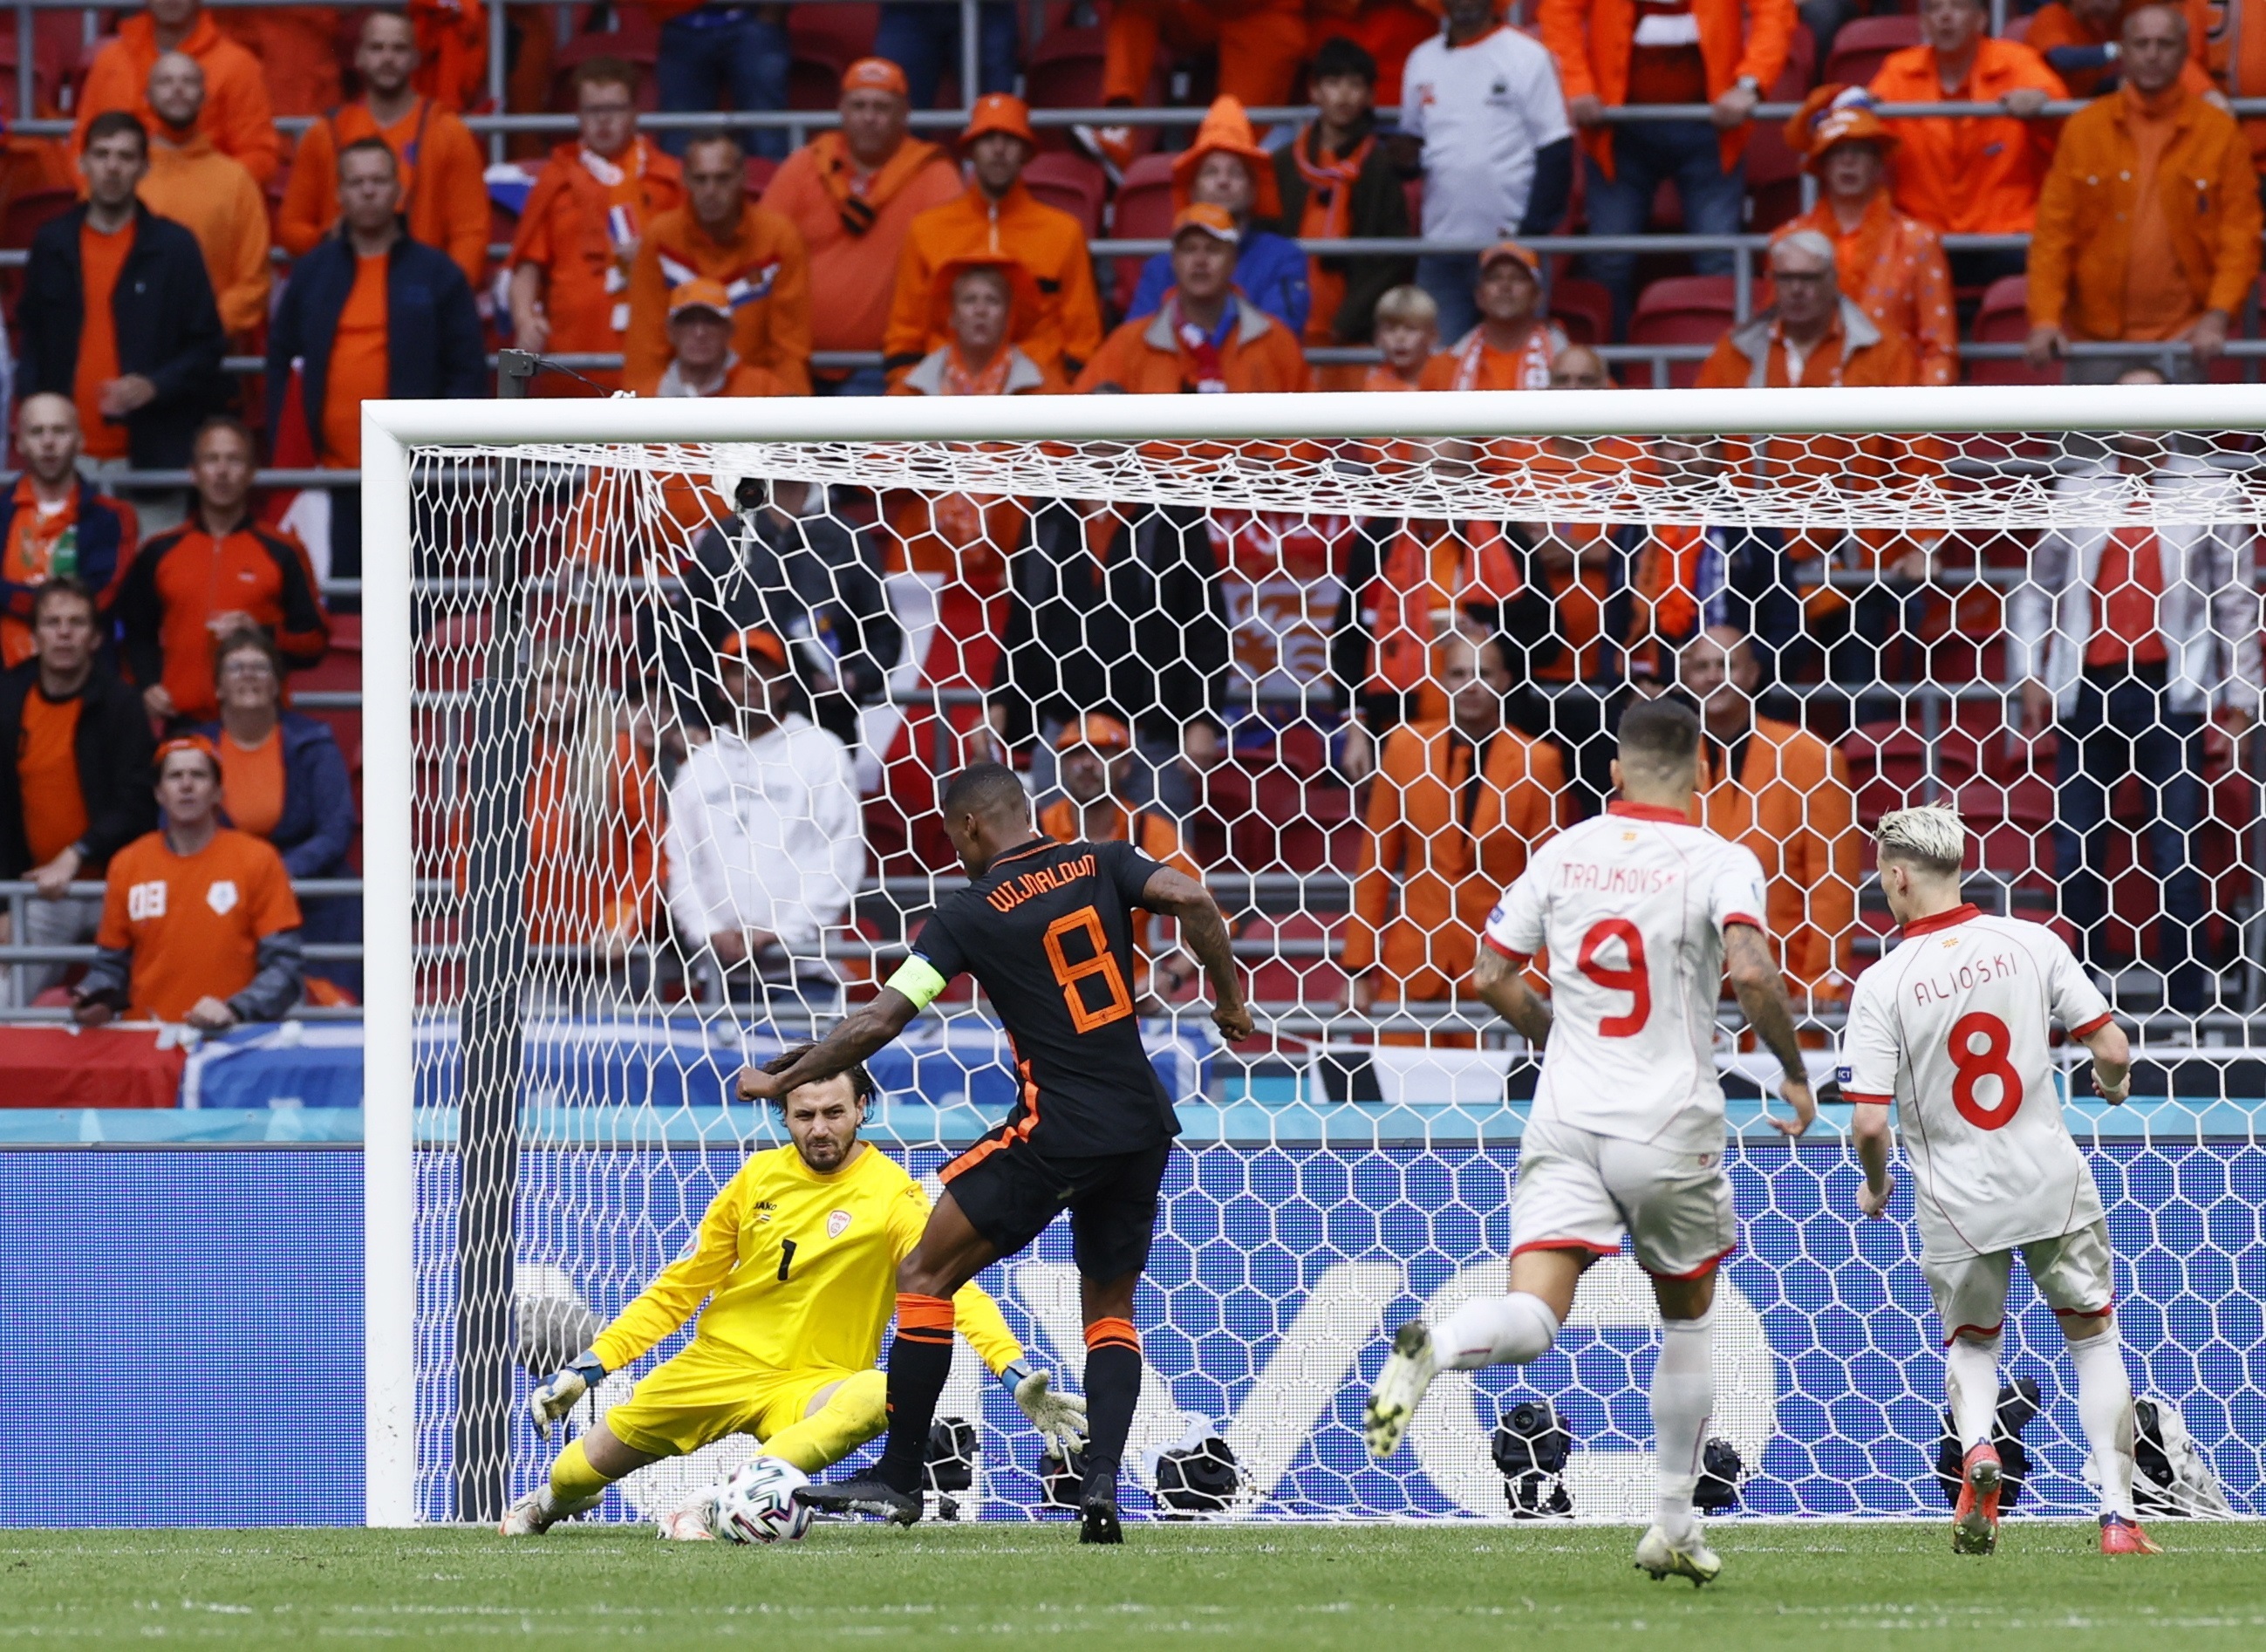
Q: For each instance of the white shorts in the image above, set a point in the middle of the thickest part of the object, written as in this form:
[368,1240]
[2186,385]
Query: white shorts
[2072,1272]
[1579,1190]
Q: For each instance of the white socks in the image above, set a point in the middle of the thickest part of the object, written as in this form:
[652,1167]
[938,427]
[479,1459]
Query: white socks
[2104,1404]
[1971,1385]
[1495,1331]
[1682,1398]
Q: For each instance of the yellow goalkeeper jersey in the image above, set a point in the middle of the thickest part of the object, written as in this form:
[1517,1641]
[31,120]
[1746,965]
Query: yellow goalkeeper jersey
[799,1270]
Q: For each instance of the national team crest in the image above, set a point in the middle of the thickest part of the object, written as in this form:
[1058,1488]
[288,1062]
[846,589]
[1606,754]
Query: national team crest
[221,896]
[837,1223]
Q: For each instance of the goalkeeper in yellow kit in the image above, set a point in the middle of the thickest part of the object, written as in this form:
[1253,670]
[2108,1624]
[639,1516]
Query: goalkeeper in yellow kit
[797,1259]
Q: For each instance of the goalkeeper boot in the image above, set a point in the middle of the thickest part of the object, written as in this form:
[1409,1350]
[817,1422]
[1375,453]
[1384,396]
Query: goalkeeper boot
[1408,1372]
[538,1511]
[870,1495]
[1974,1522]
[1098,1521]
[1688,1556]
[2122,1536]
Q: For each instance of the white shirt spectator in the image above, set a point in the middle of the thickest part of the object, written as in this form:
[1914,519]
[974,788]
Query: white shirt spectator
[1482,111]
[763,834]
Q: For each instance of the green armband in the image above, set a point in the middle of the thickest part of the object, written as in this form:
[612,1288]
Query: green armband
[918,981]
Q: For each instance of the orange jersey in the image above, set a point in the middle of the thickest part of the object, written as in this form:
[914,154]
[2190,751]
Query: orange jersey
[181,578]
[763,269]
[1593,42]
[194,922]
[854,229]
[1792,804]
[583,222]
[1475,364]
[215,197]
[1046,241]
[46,775]
[1973,174]
[237,117]
[1894,266]
[1145,829]
[358,362]
[100,257]
[443,188]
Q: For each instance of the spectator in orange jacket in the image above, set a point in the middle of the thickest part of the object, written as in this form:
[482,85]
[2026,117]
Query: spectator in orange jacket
[755,254]
[590,208]
[1514,342]
[996,214]
[217,574]
[1906,281]
[1613,53]
[1093,762]
[1969,175]
[2226,40]
[444,192]
[211,194]
[593,813]
[1205,337]
[238,116]
[2148,227]
[1785,793]
[1454,809]
[854,194]
[701,360]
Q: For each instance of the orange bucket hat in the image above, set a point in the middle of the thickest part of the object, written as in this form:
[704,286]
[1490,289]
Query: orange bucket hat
[1097,729]
[1022,291]
[1000,111]
[1835,113]
[1226,130]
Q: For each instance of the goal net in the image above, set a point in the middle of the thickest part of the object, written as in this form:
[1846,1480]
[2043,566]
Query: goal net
[661,696]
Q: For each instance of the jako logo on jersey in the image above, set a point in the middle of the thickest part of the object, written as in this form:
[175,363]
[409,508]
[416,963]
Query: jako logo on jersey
[837,1223]
[221,896]
[145,900]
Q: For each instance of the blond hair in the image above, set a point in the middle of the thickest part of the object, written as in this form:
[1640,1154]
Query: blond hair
[1930,837]
[1410,306]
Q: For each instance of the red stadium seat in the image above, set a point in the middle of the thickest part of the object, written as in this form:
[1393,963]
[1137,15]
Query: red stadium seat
[1863,43]
[1682,310]
[1773,172]
[2005,319]
[1064,70]
[761,171]
[26,212]
[1583,308]
[1071,182]
[1143,212]
[839,35]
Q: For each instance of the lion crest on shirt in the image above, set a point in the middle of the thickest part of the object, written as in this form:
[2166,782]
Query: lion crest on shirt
[837,1223]
[221,896]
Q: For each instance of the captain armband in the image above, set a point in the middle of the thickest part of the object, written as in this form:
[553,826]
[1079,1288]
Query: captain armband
[918,981]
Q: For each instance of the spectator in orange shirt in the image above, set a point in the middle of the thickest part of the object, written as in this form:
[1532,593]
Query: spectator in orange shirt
[1407,328]
[74,775]
[238,116]
[1906,280]
[117,313]
[216,575]
[1514,342]
[594,813]
[284,780]
[1454,809]
[211,194]
[996,214]
[1093,764]
[56,525]
[198,920]
[1615,52]
[2148,227]
[591,206]
[701,360]
[1785,793]
[854,193]
[1969,175]
[1205,337]
[443,188]
[753,253]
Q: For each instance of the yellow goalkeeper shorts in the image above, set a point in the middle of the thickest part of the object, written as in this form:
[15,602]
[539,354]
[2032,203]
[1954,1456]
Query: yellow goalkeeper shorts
[705,1393]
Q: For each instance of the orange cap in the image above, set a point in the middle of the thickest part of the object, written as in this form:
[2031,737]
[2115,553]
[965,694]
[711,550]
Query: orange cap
[700,293]
[1512,249]
[1213,221]
[875,74]
[179,743]
[1097,729]
[1022,292]
[1226,130]
[1000,111]
[754,640]
[1835,113]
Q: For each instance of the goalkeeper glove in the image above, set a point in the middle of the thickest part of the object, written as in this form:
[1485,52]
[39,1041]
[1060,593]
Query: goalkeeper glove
[557,1397]
[1060,1419]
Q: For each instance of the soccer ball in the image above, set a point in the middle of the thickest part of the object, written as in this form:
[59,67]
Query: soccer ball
[758,1504]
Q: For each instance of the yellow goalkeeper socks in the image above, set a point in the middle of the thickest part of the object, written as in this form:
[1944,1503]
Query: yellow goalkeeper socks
[854,1413]
[574,1484]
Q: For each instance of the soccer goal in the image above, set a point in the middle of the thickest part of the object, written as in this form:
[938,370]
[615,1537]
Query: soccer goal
[658,695]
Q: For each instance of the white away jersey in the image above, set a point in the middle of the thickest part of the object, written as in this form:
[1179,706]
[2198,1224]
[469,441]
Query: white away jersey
[1633,906]
[1952,1026]
[1482,111]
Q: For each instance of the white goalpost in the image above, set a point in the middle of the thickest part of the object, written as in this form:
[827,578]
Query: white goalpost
[580,918]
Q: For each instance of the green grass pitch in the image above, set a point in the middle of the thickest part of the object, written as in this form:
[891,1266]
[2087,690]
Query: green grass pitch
[1372,1588]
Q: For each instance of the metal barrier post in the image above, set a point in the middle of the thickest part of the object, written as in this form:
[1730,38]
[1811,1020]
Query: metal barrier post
[971,55]
[497,41]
